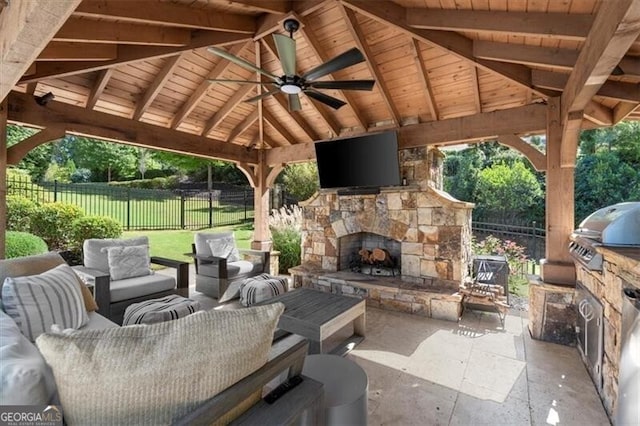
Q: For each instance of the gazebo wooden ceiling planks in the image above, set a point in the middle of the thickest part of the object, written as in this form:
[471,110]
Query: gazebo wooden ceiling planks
[445,71]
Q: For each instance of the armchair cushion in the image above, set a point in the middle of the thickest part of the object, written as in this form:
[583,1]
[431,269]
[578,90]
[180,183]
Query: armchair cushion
[239,269]
[37,264]
[157,373]
[128,261]
[130,288]
[36,302]
[95,258]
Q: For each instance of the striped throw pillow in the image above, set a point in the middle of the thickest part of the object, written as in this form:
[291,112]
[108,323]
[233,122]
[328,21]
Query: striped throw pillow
[36,302]
[260,288]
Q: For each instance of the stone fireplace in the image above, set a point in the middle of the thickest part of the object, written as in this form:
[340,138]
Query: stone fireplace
[424,228]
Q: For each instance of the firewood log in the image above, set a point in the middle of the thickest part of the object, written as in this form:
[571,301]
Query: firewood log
[365,255]
[383,256]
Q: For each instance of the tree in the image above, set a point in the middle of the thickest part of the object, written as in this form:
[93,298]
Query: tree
[106,160]
[508,192]
[461,172]
[301,180]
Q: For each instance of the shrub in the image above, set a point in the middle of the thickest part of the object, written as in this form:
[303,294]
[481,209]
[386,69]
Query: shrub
[169,182]
[81,176]
[285,225]
[20,244]
[52,222]
[87,227]
[19,212]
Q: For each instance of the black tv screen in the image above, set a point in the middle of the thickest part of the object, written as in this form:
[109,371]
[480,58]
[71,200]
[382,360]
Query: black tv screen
[366,161]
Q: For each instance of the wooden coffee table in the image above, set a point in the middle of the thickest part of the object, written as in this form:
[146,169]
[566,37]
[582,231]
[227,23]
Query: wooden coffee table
[317,315]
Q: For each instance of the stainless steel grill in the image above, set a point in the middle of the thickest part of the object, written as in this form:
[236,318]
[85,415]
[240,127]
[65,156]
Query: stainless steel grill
[617,226]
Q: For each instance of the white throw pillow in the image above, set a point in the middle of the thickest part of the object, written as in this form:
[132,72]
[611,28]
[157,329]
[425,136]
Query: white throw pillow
[156,374]
[225,248]
[36,302]
[128,261]
[25,378]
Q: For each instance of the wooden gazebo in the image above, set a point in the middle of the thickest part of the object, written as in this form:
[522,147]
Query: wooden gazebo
[136,72]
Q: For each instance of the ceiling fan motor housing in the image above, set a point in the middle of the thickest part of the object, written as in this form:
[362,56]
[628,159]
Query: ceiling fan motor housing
[291,26]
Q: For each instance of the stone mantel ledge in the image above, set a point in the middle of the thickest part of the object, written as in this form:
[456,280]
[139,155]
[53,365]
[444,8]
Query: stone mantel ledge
[442,196]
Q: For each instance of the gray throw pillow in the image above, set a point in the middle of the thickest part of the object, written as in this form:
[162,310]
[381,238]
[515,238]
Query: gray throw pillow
[128,261]
[225,248]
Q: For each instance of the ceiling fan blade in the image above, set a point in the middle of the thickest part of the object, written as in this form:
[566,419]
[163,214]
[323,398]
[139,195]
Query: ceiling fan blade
[334,103]
[287,52]
[294,102]
[343,84]
[263,95]
[344,60]
[217,80]
[239,61]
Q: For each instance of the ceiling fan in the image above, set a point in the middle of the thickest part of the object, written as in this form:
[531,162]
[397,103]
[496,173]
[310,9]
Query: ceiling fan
[291,83]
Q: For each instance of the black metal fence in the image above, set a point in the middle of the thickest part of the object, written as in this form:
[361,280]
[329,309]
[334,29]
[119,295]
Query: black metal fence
[139,209]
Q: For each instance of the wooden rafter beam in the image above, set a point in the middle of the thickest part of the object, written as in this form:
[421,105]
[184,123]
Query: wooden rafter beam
[622,110]
[394,15]
[598,114]
[153,12]
[539,24]
[269,6]
[475,85]
[537,158]
[614,30]
[260,103]
[330,122]
[243,126]
[221,67]
[322,57]
[229,106]
[487,125]
[78,120]
[27,27]
[71,51]
[295,115]
[278,127]
[130,54]
[423,76]
[101,82]
[359,37]
[307,7]
[157,84]
[82,30]
[618,90]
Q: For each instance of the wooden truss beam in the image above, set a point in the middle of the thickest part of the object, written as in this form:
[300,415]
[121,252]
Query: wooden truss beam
[538,159]
[25,29]
[98,87]
[617,90]
[130,54]
[17,152]
[359,37]
[71,51]
[153,12]
[487,125]
[614,30]
[322,56]
[622,110]
[394,15]
[77,120]
[157,84]
[81,30]
[229,106]
[538,24]
[269,6]
[243,126]
[220,68]
[423,75]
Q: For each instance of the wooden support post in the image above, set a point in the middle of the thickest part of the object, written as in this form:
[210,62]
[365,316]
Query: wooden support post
[3,175]
[557,267]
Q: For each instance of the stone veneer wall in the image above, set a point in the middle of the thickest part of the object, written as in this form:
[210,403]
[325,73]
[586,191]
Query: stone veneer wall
[434,229]
[607,288]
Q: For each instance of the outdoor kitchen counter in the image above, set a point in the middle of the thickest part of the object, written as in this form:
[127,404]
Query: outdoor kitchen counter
[627,258]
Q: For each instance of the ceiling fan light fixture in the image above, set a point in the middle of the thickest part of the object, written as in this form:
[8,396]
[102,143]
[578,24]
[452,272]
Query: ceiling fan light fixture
[290,89]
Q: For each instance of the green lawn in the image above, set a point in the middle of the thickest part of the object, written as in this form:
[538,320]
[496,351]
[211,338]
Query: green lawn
[174,244]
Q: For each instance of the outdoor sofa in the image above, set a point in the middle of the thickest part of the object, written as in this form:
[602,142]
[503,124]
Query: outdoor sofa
[28,380]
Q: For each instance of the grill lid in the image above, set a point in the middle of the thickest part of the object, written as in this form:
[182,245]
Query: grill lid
[615,225]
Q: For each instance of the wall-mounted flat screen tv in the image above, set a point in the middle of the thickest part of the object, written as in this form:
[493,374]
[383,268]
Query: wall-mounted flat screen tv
[366,161]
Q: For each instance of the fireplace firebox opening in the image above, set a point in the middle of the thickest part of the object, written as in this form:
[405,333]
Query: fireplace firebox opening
[370,254]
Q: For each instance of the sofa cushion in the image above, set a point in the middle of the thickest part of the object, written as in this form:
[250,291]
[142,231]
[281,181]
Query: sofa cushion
[38,264]
[128,261]
[129,288]
[95,258]
[36,302]
[25,378]
[155,374]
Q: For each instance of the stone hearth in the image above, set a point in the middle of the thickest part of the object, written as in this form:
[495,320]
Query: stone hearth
[432,229]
